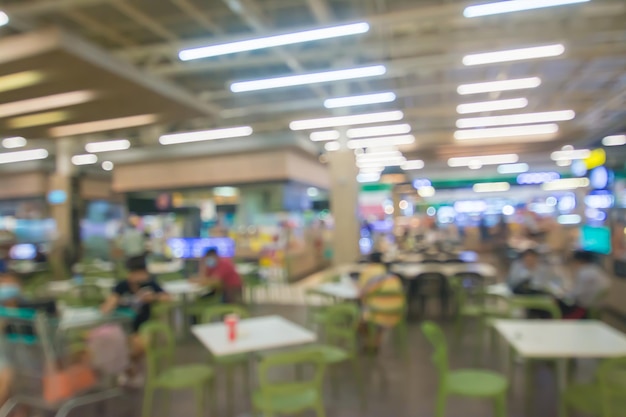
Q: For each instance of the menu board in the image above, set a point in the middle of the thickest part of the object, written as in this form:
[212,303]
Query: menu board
[195,248]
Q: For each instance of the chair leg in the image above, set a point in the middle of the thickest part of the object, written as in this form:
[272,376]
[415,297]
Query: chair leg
[359,382]
[441,403]
[319,409]
[500,405]
[229,389]
[148,398]
[199,394]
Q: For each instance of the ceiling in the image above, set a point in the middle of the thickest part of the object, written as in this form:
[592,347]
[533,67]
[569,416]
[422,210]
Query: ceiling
[421,42]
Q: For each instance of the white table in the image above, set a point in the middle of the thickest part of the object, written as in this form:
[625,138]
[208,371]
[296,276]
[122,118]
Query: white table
[342,289]
[59,287]
[158,268]
[254,335]
[501,290]
[181,287]
[246,268]
[410,271]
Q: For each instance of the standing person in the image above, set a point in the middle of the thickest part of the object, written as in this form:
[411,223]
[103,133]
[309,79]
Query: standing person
[137,292]
[590,283]
[215,270]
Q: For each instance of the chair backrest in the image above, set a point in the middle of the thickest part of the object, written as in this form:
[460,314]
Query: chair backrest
[536,302]
[217,312]
[340,326]
[290,360]
[437,339]
[159,343]
[170,276]
[611,376]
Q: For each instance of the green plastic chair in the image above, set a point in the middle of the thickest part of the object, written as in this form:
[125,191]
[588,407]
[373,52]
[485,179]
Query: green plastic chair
[605,396]
[536,302]
[170,276]
[229,363]
[315,309]
[466,382]
[84,295]
[340,325]
[162,374]
[274,398]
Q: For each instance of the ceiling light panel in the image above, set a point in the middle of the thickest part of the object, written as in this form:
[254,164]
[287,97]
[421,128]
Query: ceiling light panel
[274,41]
[325,135]
[204,135]
[103,125]
[491,187]
[20,80]
[332,146]
[412,165]
[310,78]
[464,161]
[614,140]
[513,168]
[504,85]
[37,119]
[23,156]
[365,132]
[86,159]
[513,6]
[381,142]
[108,146]
[333,103]
[565,184]
[45,103]
[502,132]
[4,18]
[510,55]
[495,105]
[570,154]
[390,116]
[516,119]
[14,142]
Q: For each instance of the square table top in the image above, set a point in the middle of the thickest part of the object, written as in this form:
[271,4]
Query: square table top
[181,286]
[555,339]
[342,289]
[253,335]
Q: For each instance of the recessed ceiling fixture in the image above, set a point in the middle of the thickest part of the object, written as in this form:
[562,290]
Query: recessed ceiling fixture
[495,105]
[23,156]
[19,80]
[85,159]
[491,187]
[108,146]
[273,41]
[324,135]
[504,85]
[357,119]
[54,101]
[516,119]
[14,142]
[412,165]
[309,78]
[510,55]
[366,132]
[332,146]
[333,103]
[570,154]
[384,141]
[502,132]
[37,119]
[466,161]
[4,18]
[614,140]
[107,165]
[103,125]
[513,168]
[512,6]
[203,135]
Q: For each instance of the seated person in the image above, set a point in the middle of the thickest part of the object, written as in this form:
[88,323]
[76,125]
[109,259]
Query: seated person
[375,278]
[529,275]
[589,285]
[215,270]
[138,292]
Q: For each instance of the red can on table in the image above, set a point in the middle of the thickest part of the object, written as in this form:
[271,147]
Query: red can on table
[231,321]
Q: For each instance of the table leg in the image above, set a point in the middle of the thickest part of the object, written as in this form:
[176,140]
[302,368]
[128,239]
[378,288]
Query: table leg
[561,375]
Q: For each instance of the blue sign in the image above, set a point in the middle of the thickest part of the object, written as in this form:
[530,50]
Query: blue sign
[57,197]
[195,247]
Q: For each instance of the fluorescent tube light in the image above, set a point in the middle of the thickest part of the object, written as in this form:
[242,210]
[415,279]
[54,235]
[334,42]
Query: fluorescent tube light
[368,177]
[513,168]
[332,146]
[495,105]
[565,184]
[38,119]
[107,165]
[4,18]
[309,78]
[378,142]
[614,140]
[382,163]
[516,119]
[273,41]
[371,170]
[19,80]
[45,103]
[357,119]
[568,219]
[465,161]
[512,6]
[570,154]
[518,54]
[22,156]
[85,159]
[504,85]
[14,142]
[103,125]
[502,132]
[325,135]
[491,187]
[427,191]
[333,103]
[378,155]
[377,150]
[411,165]
[202,135]
[108,146]
[365,132]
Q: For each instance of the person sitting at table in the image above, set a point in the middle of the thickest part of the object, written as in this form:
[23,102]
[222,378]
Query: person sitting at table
[137,292]
[589,284]
[215,270]
[375,278]
[530,276]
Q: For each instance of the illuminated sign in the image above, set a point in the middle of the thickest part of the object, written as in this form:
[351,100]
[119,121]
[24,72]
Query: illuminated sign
[599,200]
[534,178]
[599,178]
[57,197]
[421,182]
[595,159]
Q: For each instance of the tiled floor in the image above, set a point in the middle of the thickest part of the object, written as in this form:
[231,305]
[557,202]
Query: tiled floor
[406,388]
